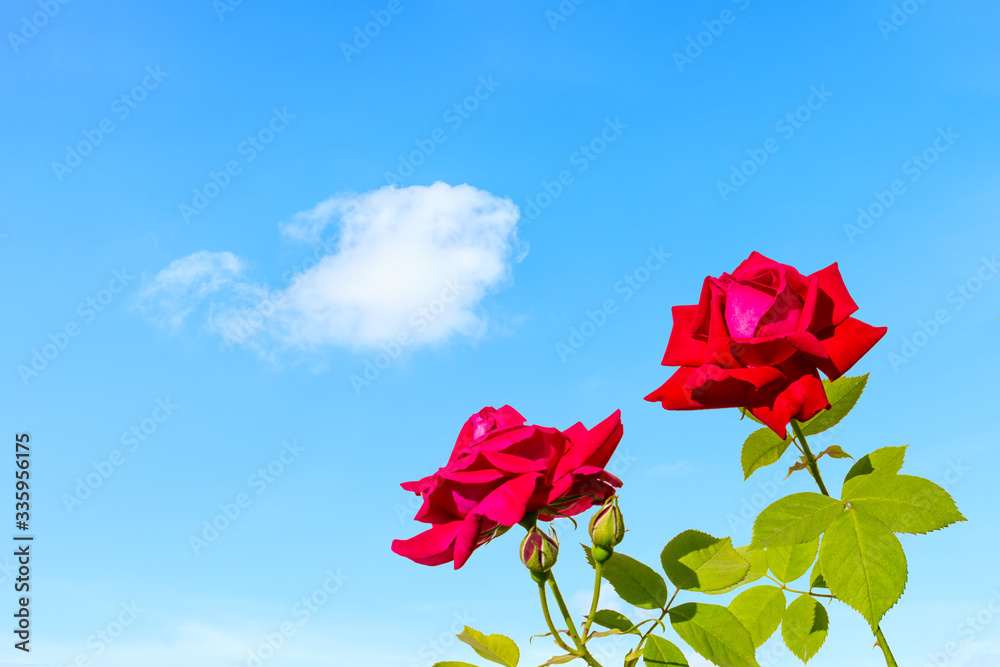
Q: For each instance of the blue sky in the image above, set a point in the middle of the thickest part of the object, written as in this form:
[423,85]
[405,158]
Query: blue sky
[171,170]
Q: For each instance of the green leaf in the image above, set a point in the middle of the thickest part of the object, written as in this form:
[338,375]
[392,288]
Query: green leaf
[906,504]
[696,561]
[560,659]
[804,627]
[758,563]
[495,648]
[605,633]
[762,448]
[758,568]
[863,563]
[658,652]
[616,621]
[759,609]
[714,633]
[790,563]
[453,664]
[797,466]
[794,519]
[843,394]
[884,461]
[816,579]
[834,452]
[637,584]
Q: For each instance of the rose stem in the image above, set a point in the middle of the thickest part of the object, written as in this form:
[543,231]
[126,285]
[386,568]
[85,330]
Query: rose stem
[598,568]
[569,622]
[810,459]
[884,645]
[548,619]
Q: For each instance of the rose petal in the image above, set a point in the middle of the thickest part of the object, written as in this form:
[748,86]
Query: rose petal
[600,473]
[486,420]
[467,539]
[699,324]
[481,476]
[434,546]
[850,341]
[506,505]
[783,316]
[745,306]
[684,348]
[713,387]
[449,501]
[801,400]
[834,303]
[593,447]
[528,449]
[773,350]
[755,377]
[588,486]
[672,395]
[717,351]
[754,260]
[808,304]
[418,487]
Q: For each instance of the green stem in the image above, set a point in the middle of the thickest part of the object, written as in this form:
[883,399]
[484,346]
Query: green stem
[783,587]
[645,635]
[548,619]
[582,652]
[810,459]
[666,610]
[814,469]
[884,645]
[598,568]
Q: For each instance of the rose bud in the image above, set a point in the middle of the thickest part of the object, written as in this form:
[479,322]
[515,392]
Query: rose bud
[607,529]
[539,551]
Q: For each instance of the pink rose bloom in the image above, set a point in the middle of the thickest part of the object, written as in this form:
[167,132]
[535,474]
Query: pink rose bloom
[502,469]
[758,338]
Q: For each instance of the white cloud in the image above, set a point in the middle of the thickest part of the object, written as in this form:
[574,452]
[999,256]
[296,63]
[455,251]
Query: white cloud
[180,287]
[414,262]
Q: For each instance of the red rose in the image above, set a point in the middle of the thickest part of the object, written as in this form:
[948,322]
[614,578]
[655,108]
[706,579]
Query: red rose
[758,338]
[499,471]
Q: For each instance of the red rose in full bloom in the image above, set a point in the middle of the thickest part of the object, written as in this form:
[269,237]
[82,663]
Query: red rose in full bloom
[758,338]
[502,469]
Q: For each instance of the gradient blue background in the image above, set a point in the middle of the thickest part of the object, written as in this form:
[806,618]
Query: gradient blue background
[338,505]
